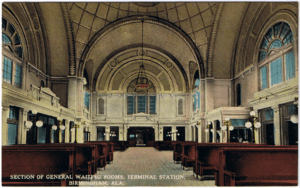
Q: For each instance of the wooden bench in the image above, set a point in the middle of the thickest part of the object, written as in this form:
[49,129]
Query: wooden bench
[257,166]
[177,150]
[120,145]
[164,145]
[84,155]
[108,149]
[33,161]
[86,162]
[188,154]
[207,157]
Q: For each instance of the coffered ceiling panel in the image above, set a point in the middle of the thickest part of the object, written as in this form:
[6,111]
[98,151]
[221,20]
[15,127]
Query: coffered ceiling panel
[194,18]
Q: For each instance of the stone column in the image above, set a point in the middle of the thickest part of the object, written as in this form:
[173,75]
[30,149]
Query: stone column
[107,132]
[126,131]
[214,127]
[5,116]
[80,98]
[22,130]
[277,134]
[72,93]
[121,138]
[67,131]
[174,137]
[209,94]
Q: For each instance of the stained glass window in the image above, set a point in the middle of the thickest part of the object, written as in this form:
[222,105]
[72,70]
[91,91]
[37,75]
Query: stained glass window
[290,65]
[152,104]
[130,105]
[282,36]
[197,82]
[87,100]
[198,99]
[195,102]
[7,69]
[276,71]
[142,104]
[18,76]
[5,39]
[263,73]
[275,44]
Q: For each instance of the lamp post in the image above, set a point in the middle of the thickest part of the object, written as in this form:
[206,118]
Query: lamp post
[32,122]
[169,134]
[74,128]
[227,127]
[253,123]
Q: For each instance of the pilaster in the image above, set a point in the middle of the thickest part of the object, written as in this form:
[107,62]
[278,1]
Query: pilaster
[277,134]
[5,116]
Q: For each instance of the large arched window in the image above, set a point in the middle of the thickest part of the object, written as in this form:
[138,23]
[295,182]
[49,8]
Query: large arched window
[143,101]
[276,56]
[12,54]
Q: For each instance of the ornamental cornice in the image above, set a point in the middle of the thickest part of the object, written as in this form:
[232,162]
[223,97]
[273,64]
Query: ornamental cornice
[211,46]
[70,38]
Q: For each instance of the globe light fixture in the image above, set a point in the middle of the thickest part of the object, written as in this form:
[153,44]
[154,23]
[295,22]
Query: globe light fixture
[28,124]
[62,127]
[39,123]
[294,118]
[248,124]
[253,123]
[54,127]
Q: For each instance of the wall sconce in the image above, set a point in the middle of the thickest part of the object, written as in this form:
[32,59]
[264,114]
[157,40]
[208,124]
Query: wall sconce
[294,118]
[61,126]
[227,127]
[28,125]
[33,119]
[54,127]
[208,126]
[253,123]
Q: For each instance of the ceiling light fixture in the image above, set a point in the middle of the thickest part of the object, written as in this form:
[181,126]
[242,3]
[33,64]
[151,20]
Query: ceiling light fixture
[142,83]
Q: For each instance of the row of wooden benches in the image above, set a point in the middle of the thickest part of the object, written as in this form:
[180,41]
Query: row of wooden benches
[234,164]
[54,164]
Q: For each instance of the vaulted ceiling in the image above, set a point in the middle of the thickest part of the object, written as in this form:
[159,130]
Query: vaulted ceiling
[194,18]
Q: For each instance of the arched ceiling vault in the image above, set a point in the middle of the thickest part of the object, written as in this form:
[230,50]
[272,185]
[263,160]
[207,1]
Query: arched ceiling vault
[194,18]
[128,32]
[123,67]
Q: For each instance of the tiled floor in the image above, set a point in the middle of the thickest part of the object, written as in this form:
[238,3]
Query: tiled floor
[153,164]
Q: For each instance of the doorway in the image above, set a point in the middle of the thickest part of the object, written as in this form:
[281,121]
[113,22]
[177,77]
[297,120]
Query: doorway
[140,136]
[270,134]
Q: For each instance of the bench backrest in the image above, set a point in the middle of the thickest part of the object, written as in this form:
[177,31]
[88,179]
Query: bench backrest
[208,153]
[36,160]
[269,163]
[188,148]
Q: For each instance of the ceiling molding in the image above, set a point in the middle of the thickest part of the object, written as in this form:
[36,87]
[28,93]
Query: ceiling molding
[70,38]
[212,41]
